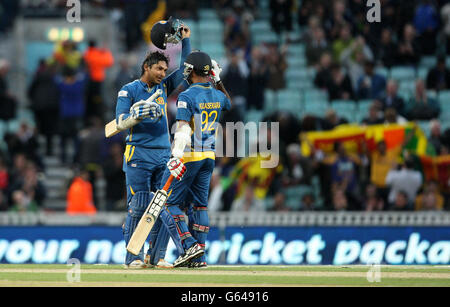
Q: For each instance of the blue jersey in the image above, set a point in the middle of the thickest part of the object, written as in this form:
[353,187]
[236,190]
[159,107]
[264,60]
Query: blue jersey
[149,133]
[201,105]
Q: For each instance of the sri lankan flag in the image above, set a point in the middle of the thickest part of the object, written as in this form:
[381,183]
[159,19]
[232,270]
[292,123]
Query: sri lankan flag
[355,138]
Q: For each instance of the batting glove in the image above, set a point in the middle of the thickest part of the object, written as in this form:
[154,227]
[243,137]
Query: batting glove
[215,71]
[143,109]
[176,168]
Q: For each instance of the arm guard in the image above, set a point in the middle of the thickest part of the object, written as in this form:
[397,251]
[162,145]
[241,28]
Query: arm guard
[181,139]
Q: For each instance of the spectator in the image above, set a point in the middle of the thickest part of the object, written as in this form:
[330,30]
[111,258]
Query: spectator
[71,107]
[115,179]
[438,77]
[235,76]
[66,55]
[332,120]
[248,202]
[430,198]
[436,139]
[24,140]
[299,168]
[381,162]
[370,85]
[97,61]
[308,202]
[79,196]
[374,117]
[372,200]
[22,202]
[391,99]
[422,106]
[426,22]
[401,202]
[276,60]
[279,203]
[257,79]
[281,16]
[445,18]
[322,77]
[339,17]
[215,202]
[32,190]
[8,103]
[391,117]
[386,51]
[404,179]
[342,42]
[353,58]
[408,50]
[89,155]
[44,96]
[316,46]
[344,173]
[339,86]
[237,28]
[340,201]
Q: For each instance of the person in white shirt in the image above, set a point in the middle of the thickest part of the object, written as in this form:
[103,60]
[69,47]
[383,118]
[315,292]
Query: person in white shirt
[405,179]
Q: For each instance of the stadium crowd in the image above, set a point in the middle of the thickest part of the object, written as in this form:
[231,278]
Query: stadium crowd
[347,55]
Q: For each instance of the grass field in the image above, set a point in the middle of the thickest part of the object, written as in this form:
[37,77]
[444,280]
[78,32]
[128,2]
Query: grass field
[224,276]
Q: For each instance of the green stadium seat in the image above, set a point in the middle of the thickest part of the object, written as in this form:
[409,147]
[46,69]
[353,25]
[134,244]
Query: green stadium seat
[254,116]
[382,71]
[316,107]
[444,97]
[296,61]
[315,94]
[260,26]
[427,61]
[425,126]
[207,14]
[422,72]
[345,108]
[296,49]
[289,100]
[402,73]
[407,85]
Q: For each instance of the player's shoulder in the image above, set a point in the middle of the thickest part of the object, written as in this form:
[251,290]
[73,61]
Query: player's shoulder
[128,88]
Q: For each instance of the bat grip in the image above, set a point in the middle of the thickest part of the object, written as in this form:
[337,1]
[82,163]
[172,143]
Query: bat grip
[169,181]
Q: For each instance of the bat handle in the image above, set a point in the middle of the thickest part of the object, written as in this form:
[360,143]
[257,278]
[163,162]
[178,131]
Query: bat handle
[169,181]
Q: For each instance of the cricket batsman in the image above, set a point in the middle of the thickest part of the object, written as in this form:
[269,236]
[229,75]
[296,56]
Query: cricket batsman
[198,111]
[148,148]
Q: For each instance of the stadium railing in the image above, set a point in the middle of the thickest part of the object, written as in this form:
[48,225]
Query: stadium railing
[224,219]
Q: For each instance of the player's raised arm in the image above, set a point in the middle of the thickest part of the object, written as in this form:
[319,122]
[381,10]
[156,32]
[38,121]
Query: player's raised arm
[215,73]
[176,77]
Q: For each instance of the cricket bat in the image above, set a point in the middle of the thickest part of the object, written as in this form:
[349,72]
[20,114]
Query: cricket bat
[148,219]
[111,127]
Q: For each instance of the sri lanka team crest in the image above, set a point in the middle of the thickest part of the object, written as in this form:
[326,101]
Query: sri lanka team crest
[160,100]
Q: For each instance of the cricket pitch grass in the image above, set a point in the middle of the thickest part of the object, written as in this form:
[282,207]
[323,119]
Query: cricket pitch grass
[32,275]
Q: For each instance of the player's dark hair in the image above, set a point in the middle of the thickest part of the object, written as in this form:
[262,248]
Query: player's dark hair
[153,58]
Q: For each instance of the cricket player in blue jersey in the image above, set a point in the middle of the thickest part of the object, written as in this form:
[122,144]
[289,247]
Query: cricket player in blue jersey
[148,148]
[198,112]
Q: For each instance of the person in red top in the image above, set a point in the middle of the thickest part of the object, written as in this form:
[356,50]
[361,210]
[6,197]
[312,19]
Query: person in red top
[97,61]
[79,196]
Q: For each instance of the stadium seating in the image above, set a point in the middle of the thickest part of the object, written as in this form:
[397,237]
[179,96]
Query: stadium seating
[401,73]
[345,108]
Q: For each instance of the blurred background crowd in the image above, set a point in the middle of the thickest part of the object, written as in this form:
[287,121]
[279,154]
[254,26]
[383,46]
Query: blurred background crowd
[308,65]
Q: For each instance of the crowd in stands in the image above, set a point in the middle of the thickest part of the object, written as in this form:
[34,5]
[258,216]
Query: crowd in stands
[345,52]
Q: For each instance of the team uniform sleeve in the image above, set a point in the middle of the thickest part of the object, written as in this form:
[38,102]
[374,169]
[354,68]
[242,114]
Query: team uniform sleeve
[124,102]
[176,77]
[184,108]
